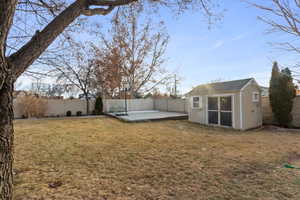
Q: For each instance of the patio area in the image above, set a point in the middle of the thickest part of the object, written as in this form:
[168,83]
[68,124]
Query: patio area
[147,115]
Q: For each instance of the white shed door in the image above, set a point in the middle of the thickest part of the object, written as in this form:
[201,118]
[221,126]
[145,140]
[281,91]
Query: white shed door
[220,110]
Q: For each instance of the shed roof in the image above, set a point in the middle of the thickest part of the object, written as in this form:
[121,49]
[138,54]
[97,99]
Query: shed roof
[234,85]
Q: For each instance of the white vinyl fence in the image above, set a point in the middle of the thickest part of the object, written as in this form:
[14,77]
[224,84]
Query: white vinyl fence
[171,105]
[116,105]
[59,107]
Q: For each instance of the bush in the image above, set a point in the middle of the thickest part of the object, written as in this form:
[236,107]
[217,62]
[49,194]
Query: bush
[98,106]
[32,106]
[79,113]
[69,113]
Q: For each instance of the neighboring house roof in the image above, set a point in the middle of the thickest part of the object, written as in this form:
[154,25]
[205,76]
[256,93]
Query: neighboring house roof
[235,85]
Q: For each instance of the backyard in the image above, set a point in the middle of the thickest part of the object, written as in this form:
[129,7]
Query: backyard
[106,159]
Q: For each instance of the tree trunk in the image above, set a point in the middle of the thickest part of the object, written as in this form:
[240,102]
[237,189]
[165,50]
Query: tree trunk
[87,105]
[6,135]
[131,94]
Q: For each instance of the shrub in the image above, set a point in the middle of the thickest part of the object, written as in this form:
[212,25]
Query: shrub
[79,113]
[69,113]
[98,106]
[32,106]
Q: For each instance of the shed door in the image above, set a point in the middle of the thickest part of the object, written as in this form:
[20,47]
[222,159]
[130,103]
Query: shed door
[226,111]
[213,110]
[220,110]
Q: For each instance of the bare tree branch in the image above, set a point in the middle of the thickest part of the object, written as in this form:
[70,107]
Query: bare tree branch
[283,17]
[98,11]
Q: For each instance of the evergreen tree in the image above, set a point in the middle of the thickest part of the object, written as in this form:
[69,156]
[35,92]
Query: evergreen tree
[273,89]
[282,92]
[98,106]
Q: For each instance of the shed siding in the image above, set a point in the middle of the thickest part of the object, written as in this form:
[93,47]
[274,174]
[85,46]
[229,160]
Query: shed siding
[237,111]
[197,115]
[252,113]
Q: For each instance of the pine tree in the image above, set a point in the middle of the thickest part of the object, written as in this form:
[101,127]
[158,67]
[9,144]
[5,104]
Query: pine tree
[288,94]
[98,106]
[282,92]
[273,89]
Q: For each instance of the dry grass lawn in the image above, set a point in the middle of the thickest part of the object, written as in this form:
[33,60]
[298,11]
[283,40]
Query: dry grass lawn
[105,159]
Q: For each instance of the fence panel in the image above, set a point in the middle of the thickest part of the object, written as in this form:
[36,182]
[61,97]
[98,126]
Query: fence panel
[118,105]
[268,115]
[171,105]
[59,107]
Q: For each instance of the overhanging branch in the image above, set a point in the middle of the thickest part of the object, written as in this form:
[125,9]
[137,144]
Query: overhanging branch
[110,2]
[98,11]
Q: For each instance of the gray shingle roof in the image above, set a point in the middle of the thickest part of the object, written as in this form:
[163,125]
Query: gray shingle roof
[235,85]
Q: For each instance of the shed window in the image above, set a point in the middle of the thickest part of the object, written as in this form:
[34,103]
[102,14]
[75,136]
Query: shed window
[255,97]
[196,102]
[225,103]
[213,103]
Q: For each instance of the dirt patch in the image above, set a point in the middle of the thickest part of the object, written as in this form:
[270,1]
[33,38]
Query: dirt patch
[55,184]
[279,129]
[293,157]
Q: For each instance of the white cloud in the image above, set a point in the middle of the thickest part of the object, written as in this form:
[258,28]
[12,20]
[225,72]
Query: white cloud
[239,37]
[217,45]
[221,43]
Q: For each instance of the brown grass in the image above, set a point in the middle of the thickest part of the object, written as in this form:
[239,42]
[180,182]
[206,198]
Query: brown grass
[107,159]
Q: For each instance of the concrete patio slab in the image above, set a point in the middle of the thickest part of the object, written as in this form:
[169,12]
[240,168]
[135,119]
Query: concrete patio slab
[149,115]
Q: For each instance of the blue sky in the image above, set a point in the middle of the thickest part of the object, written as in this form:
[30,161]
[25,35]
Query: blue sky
[235,48]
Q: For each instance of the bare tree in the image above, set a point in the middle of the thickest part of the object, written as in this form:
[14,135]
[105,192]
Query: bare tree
[55,90]
[14,63]
[108,71]
[76,69]
[134,52]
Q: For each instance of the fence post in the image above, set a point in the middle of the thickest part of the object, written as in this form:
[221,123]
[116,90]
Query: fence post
[167,104]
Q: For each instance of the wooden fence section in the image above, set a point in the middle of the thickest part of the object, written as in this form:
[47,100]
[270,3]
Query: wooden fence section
[268,116]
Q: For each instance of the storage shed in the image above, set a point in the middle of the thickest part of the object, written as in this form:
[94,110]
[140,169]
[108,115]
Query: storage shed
[235,104]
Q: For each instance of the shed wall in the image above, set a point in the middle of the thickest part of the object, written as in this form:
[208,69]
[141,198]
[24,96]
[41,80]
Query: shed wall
[200,115]
[252,111]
